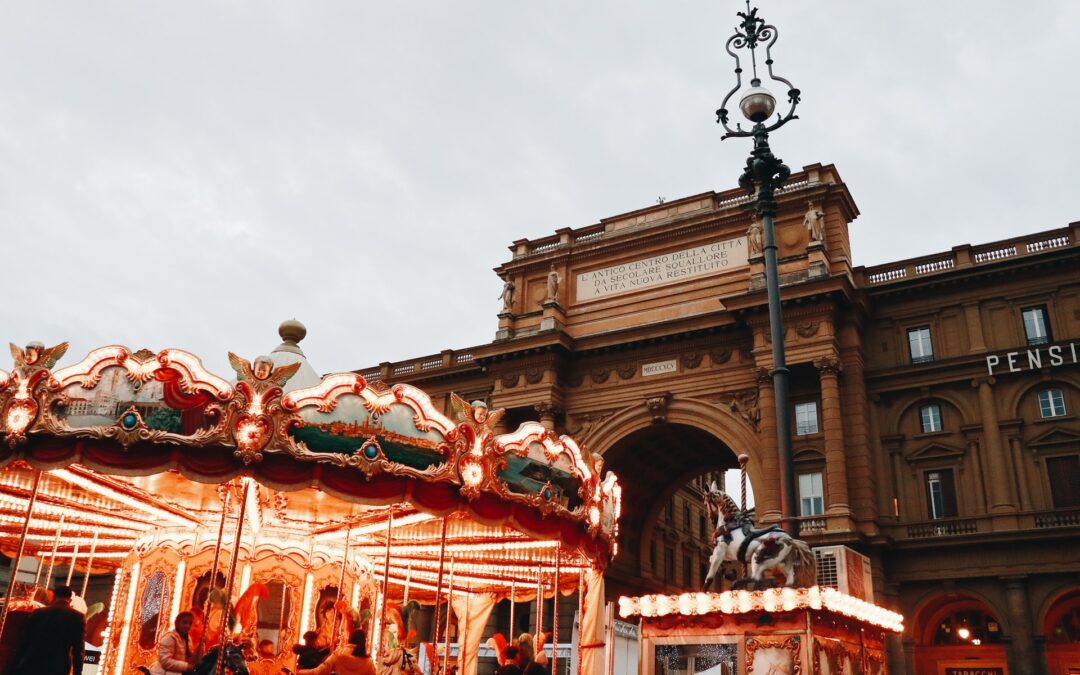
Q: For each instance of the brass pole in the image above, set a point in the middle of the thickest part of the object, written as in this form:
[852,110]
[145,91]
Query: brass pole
[17,560]
[449,612]
[340,588]
[89,564]
[220,667]
[510,633]
[438,591]
[71,567]
[52,558]
[385,583]
[555,612]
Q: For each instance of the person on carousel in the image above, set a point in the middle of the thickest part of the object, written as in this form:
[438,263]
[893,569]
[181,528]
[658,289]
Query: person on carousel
[263,663]
[531,660]
[174,653]
[310,654]
[352,659]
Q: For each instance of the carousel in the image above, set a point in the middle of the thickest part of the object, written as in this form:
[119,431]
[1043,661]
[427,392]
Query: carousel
[278,503]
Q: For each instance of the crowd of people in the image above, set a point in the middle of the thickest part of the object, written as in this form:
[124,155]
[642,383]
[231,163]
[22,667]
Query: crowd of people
[52,644]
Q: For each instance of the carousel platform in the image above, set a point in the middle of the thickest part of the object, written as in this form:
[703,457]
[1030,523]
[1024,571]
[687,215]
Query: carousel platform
[779,630]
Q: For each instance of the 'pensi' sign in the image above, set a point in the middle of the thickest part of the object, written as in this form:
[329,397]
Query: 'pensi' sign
[1033,359]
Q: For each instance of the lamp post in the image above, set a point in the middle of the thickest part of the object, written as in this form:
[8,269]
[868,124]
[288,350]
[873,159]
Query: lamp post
[763,175]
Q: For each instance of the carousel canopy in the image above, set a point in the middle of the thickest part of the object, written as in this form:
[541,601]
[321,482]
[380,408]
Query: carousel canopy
[147,449]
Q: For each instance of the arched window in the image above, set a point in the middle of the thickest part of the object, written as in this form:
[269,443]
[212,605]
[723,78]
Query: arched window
[1052,403]
[1063,620]
[967,627]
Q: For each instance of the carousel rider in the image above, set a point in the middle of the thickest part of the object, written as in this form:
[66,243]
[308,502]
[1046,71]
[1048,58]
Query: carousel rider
[174,653]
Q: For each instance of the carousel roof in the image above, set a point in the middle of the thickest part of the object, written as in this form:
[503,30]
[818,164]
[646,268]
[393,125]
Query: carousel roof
[142,448]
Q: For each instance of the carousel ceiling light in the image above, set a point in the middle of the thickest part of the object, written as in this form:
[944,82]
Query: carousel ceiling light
[127,500]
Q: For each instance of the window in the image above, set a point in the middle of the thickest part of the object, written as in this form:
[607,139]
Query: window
[1036,325]
[806,418]
[669,565]
[702,526]
[687,566]
[930,415]
[1052,403]
[941,494]
[811,494]
[1064,475]
[671,511]
[687,523]
[922,350]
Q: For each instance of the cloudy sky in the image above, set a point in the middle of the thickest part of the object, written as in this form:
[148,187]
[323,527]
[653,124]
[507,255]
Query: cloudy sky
[190,173]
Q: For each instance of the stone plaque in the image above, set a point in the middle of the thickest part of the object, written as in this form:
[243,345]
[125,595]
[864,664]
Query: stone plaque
[659,368]
[669,268]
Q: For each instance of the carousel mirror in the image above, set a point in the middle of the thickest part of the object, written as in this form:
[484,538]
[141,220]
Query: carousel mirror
[274,614]
[324,615]
[153,606]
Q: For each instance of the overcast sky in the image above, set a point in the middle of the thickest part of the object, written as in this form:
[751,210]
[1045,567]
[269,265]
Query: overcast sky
[190,173]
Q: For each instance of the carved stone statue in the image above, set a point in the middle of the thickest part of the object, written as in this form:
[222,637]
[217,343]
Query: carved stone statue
[815,223]
[553,280]
[507,296]
[754,237]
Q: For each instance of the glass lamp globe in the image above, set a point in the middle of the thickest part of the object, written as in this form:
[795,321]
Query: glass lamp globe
[757,104]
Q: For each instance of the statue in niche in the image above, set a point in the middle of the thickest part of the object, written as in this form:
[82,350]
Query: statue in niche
[507,296]
[815,223]
[553,280]
[754,237]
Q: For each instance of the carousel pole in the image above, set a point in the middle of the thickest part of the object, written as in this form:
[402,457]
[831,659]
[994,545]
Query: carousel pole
[385,583]
[438,589]
[71,567]
[408,580]
[513,592]
[17,560]
[217,551]
[463,653]
[219,667]
[52,558]
[449,612]
[581,616]
[539,605]
[743,461]
[340,588]
[89,564]
[555,612]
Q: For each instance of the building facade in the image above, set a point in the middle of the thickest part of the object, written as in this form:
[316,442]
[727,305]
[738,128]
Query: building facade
[935,404]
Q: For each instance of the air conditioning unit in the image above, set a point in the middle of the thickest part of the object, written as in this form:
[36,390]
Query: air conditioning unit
[845,570]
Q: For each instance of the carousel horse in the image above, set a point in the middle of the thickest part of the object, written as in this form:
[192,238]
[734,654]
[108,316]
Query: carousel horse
[764,551]
[233,658]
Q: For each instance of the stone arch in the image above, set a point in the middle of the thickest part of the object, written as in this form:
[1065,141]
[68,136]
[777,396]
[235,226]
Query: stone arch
[958,404]
[1058,379]
[935,605]
[714,419]
[1056,604]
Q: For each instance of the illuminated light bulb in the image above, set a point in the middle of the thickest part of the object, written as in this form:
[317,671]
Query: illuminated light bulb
[627,606]
[744,601]
[703,603]
[594,515]
[18,418]
[963,633]
[472,474]
[727,602]
[976,642]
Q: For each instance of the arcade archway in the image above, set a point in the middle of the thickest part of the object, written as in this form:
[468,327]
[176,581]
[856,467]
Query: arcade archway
[665,466]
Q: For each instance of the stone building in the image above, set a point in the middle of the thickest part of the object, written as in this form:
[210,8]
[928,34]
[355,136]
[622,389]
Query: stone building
[935,404]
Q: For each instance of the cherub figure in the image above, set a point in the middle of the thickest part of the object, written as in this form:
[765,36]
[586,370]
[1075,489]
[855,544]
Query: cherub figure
[476,415]
[262,374]
[35,356]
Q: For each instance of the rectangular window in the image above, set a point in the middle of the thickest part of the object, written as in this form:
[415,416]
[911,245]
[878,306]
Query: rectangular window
[1064,480]
[671,511]
[1036,325]
[669,565]
[1052,403]
[687,523]
[922,350]
[703,526]
[941,494]
[687,567]
[811,494]
[806,421]
[931,418]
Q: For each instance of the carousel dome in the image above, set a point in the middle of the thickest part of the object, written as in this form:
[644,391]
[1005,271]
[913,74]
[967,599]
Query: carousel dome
[289,352]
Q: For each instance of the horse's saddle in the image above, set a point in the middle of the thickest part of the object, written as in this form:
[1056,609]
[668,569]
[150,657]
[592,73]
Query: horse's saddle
[750,534]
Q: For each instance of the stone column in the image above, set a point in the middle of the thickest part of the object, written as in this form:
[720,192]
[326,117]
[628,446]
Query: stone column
[768,495]
[1017,449]
[1022,653]
[977,474]
[546,412]
[999,480]
[833,429]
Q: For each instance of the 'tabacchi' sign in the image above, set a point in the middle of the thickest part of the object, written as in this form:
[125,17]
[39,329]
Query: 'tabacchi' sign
[662,269]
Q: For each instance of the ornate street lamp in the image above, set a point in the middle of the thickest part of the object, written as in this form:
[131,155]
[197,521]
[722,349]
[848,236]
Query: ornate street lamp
[765,173]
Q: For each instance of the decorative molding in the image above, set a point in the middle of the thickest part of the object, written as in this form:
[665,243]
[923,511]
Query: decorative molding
[828,366]
[509,380]
[720,355]
[600,375]
[534,375]
[626,370]
[745,404]
[691,360]
[806,329]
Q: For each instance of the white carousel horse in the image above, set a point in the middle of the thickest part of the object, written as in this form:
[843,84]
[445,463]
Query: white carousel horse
[769,550]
